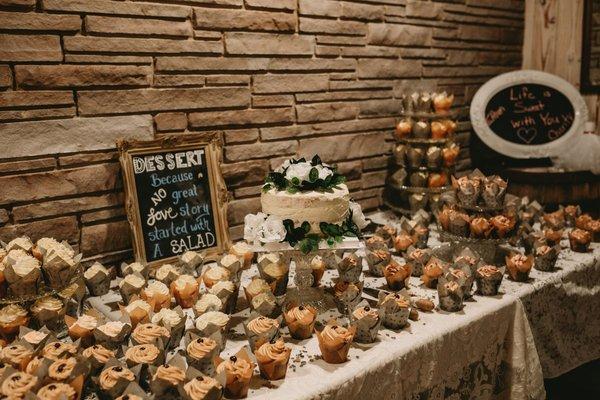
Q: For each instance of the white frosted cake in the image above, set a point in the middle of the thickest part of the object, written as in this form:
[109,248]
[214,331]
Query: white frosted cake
[304,201]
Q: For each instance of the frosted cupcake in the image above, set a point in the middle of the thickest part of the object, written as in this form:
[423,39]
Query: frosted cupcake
[488,278]
[131,285]
[167,273]
[545,257]
[367,321]
[20,243]
[165,379]
[394,308]
[202,388]
[233,264]
[213,322]
[17,355]
[300,320]
[200,354]
[150,333]
[377,260]
[432,272]
[114,379]
[238,371]
[56,350]
[387,233]
[56,391]
[48,311]
[18,384]
[397,275]
[376,243]
[317,268]
[12,317]
[276,275]
[98,356]
[147,354]
[97,279]
[417,258]
[265,304]
[519,266]
[173,321]
[334,342]
[260,329]
[273,358]
[243,251]
[157,293]
[214,275]
[112,333]
[350,268]
[402,242]
[580,240]
[256,287]
[227,291]
[135,268]
[82,328]
[23,275]
[347,295]
[35,338]
[208,302]
[192,262]
[62,369]
[450,295]
[185,290]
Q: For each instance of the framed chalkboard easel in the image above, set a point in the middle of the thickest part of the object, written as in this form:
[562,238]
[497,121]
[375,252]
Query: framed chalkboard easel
[175,196]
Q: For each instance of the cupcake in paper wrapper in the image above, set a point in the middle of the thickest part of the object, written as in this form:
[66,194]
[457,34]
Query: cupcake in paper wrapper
[12,317]
[191,262]
[387,233]
[234,265]
[318,267]
[533,238]
[580,240]
[138,311]
[59,267]
[238,371]
[273,358]
[415,157]
[144,355]
[276,274]
[174,321]
[402,242]
[462,273]
[420,236]
[22,274]
[54,350]
[98,356]
[228,292]
[432,271]
[367,321]
[554,220]
[545,257]
[208,302]
[377,260]
[571,213]
[20,243]
[266,304]
[211,322]
[48,311]
[149,333]
[165,379]
[488,278]
[135,268]
[417,258]
[269,258]
[376,243]
[72,371]
[300,320]
[115,377]
[18,385]
[255,287]
[199,386]
[244,251]
[552,236]
[467,190]
[394,308]
[450,294]
[260,329]
[133,391]
[57,390]
[82,328]
[17,354]
[131,285]
[201,353]
[494,189]
[503,225]
[347,295]
[350,268]
[519,266]
[97,279]
[112,333]
[73,296]
[185,289]
[417,201]
[167,273]
[335,341]
[157,294]
[397,275]
[36,338]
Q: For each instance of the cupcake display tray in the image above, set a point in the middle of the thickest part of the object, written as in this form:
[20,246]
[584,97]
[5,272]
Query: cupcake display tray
[424,142]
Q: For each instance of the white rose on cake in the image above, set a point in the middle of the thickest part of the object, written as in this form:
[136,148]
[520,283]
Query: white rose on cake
[324,172]
[272,230]
[357,215]
[253,224]
[300,170]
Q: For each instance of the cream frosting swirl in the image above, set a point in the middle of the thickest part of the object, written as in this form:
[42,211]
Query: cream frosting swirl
[95,269]
[111,328]
[156,287]
[15,354]
[34,364]
[273,352]
[57,391]
[163,272]
[301,314]
[257,286]
[141,304]
[201,347]
[212,317]
[56,350]
[134,280]
[236,369]
[148,333]
[142,353]
[199,387]
[217,274]
[336,336]
[60,370]
[18,384]
[185,280]
[171,374]
[47,303]
[262,324]
[100,353]
[34,337]
[365,312]
[166,317]
[208,302]
[87,322]
[110,376]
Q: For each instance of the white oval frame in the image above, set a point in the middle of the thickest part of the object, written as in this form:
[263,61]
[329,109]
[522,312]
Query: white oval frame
[515,150]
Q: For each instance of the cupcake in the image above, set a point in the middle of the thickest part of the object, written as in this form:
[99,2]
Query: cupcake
[138,311]
[265,304]
[417,258]
[202,388]
[414,158]
[571,213]
[185,290]
[48,311]
[173,321]
[82,328]
[56,350]
[148,354]
[238,371]
[402,242]
[60,370]
[300,320]
[18,384]
[59,266]
[467,190]
[165,379]
[114,378]
[131,285]
[158,294]
[23,275]
[111,334]
[36,339]
[493,191]
[260,329]
[200,354]
[394,308]
[421,130]
[431,272]
[208,302]
[12,317]
[554,220]
[376,243]
[397,275]
[347,295]
[545,257]
[439,130]
[17,355]
[98,356]
[56,391]
[97,279]
[580,240]
[273,360]
[399,153]
[167,273]
[334,342]
[350,268]
[227,292]
[256,287]
[367,321]
[214,275]
[243,251]
[480,227]
[519,266]
[450,154]
[450,295]
[318,266]
[211,323]
[20,243]
[34,366]
[488,278]
[403,128]
[192,262]
[442,102]
[462,274]
[276,275]
[552,236]
[233,264]
[150,333]
[420,236]
[377,260]
[268,258]
[387,233]
[134,268]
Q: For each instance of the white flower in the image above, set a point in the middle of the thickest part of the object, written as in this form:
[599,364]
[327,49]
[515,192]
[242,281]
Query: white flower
[300,171]
[253,226]
[357,215]
[323,172]
[272,230]
[283,166]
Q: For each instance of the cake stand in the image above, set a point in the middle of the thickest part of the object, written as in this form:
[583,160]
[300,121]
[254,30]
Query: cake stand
[304,292]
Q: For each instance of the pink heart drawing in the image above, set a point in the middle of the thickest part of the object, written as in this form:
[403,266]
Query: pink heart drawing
[527,134]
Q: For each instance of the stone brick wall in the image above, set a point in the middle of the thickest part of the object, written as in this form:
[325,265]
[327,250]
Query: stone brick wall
[278,77]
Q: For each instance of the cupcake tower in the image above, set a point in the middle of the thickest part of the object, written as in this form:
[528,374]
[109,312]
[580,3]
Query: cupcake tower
[424,154]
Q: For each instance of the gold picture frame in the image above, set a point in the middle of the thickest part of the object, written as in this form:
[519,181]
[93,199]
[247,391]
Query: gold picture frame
[212,144]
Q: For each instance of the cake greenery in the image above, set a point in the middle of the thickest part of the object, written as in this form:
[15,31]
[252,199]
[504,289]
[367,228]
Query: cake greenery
[299,175]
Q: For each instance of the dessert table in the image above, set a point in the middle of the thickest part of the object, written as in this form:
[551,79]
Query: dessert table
[496,347]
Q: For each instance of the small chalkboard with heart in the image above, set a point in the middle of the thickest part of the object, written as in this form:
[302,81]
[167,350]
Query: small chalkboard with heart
[527,113]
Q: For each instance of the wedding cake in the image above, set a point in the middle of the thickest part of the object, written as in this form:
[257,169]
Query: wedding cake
[304,202]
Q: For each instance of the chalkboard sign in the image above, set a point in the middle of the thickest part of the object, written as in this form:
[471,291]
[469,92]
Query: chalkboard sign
[526,114]
[175,196]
